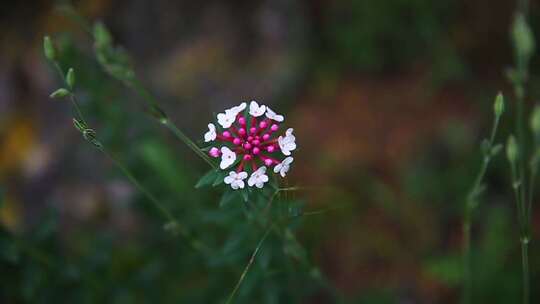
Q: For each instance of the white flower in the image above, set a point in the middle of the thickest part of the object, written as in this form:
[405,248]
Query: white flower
[272,115]
[228,157]
[255,110]
[258,178]
[211,134]
[237,109]
[236,179]
[284,166]
[226,119]
[287,143]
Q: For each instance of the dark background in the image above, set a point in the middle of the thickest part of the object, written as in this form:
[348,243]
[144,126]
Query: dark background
[389,99]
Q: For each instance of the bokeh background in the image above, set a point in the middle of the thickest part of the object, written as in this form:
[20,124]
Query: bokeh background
[390,100]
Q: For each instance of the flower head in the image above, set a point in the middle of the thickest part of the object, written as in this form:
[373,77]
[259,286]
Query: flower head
[236,180]
[251,139]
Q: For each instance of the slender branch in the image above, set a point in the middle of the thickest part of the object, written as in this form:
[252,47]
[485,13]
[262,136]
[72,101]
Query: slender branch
[248,266]
[470,204]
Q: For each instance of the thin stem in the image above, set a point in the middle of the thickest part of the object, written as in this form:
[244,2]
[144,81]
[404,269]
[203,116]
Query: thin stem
[467,267]
[248,266]
[179,134]
[525,270]
[470,204]
[153,103]
[159,206]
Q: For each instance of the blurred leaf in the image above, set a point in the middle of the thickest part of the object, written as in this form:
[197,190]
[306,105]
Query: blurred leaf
[447,269]
[228,197]
[208,179]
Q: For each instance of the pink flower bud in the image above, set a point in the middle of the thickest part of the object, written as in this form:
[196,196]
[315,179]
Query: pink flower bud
[256,150]
[248,157]
[263,124]
[252,130]
[274,127]
[242,120]
[268,162]
[214,152]
[242,131]
[266,137]
[237,141]
[256,142]
[247,146]
[270,149]
[226,134]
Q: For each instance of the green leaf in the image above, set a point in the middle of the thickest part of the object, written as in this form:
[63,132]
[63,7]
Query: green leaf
[101,35]
[219,178]
[228,197]
[79,125]
[447,269]
[207,179]
[60,93]
[245,195]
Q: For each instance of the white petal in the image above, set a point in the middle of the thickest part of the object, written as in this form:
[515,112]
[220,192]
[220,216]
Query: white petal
[240,184]
[228,179]
[242,175]
[278,167]
[228,157]
[289,131]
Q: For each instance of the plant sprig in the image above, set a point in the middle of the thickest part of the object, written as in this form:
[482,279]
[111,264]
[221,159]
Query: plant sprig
[80,123]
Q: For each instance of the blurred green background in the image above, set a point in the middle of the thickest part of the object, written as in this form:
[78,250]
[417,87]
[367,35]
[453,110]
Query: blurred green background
[390,100]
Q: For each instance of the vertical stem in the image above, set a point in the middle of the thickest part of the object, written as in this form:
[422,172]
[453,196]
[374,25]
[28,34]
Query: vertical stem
[525,270]
[467,287]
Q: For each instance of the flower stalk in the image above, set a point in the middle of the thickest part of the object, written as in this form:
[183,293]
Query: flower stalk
[489,150]
[523,180]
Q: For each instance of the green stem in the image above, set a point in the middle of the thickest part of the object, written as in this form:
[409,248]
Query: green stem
[248,266]
[470,204]
[153,104]
[467,267]
[525,270]
[159,206]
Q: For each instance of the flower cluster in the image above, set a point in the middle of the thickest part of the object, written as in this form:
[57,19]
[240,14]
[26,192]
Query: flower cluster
[250,140]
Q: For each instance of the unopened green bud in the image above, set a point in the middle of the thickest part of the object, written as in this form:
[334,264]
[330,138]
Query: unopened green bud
[523,37]
[70,78]
[60,93]
[48,48]
[102,35]
[535,121]
[512,149]
[498,105]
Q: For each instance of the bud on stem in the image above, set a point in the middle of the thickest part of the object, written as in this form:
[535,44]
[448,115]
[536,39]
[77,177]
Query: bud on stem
[535,121]
[48,48]
[512,149]
[70,78]
[498,105]
[60,93]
